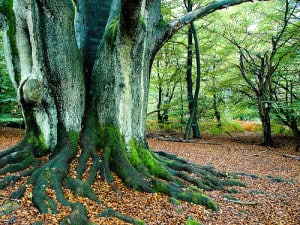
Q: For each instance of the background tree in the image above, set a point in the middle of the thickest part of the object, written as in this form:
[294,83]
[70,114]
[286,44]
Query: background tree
[167,78]
[192,97]
[261,55]
[65,102]
[10,114]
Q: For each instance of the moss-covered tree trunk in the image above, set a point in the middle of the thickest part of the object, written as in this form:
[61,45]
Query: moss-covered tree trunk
[87,85]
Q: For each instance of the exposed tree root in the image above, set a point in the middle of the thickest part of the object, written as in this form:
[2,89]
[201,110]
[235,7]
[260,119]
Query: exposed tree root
[105,153]
[145,170]
[20,160]
[48,178]
[109,212]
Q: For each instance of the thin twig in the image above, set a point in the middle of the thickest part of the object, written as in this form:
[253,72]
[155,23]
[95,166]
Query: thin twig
[294,157]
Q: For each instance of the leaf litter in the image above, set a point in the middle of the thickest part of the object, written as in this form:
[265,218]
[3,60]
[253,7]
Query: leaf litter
[272,183]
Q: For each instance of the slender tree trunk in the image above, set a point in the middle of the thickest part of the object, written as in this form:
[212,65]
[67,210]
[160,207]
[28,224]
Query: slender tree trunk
[159,105]
[215,103]
[166,108]
[266,121]
[189,82]
[160,96]
[192,99]
[217,112]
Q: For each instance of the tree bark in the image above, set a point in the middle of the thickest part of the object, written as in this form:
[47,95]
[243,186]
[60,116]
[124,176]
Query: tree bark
[192,98]
[264,114]
[91,82]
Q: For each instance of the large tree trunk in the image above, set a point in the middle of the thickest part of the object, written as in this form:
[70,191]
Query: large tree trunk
[91,83]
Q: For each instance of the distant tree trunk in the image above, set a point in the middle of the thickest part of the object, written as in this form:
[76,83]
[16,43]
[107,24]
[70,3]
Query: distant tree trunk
[163,101]
[215,104]
[264,114]
[262,89]
[159,106]
[217,112]
[159,102]
[192,98]
[294,128]
[166,108]
[287,115]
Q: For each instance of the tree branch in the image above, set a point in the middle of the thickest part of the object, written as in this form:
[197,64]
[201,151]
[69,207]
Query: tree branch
[172,27]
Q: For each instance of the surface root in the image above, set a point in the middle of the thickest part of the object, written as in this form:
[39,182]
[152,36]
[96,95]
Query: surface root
[109,212]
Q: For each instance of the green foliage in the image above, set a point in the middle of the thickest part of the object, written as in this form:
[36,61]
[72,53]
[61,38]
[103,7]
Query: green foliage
[154,126]
[278,128]
[6,8]
[192,221]
[211,127]
[10,111]
[257,27]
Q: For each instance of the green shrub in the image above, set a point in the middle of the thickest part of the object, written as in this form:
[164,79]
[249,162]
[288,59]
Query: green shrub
[280,129]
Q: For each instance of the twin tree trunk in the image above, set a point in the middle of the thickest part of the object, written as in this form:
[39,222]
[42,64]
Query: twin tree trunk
[88,84]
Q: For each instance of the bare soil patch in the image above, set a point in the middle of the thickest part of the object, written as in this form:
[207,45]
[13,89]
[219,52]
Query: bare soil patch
[272,195]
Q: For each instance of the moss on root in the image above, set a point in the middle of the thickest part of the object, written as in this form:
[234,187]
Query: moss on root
[109,212]
[140,168]
[119,162]
[195,197]
[82,189]
[143,160]
[145,170]
[78,216]
[19,161]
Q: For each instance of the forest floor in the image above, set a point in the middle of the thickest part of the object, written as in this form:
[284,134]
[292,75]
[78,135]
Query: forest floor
[273,197]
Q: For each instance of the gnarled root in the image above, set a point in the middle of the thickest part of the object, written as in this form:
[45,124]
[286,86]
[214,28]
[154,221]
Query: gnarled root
[109,212]
[148,171]
[50,179]
[19,161]
[105,152]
